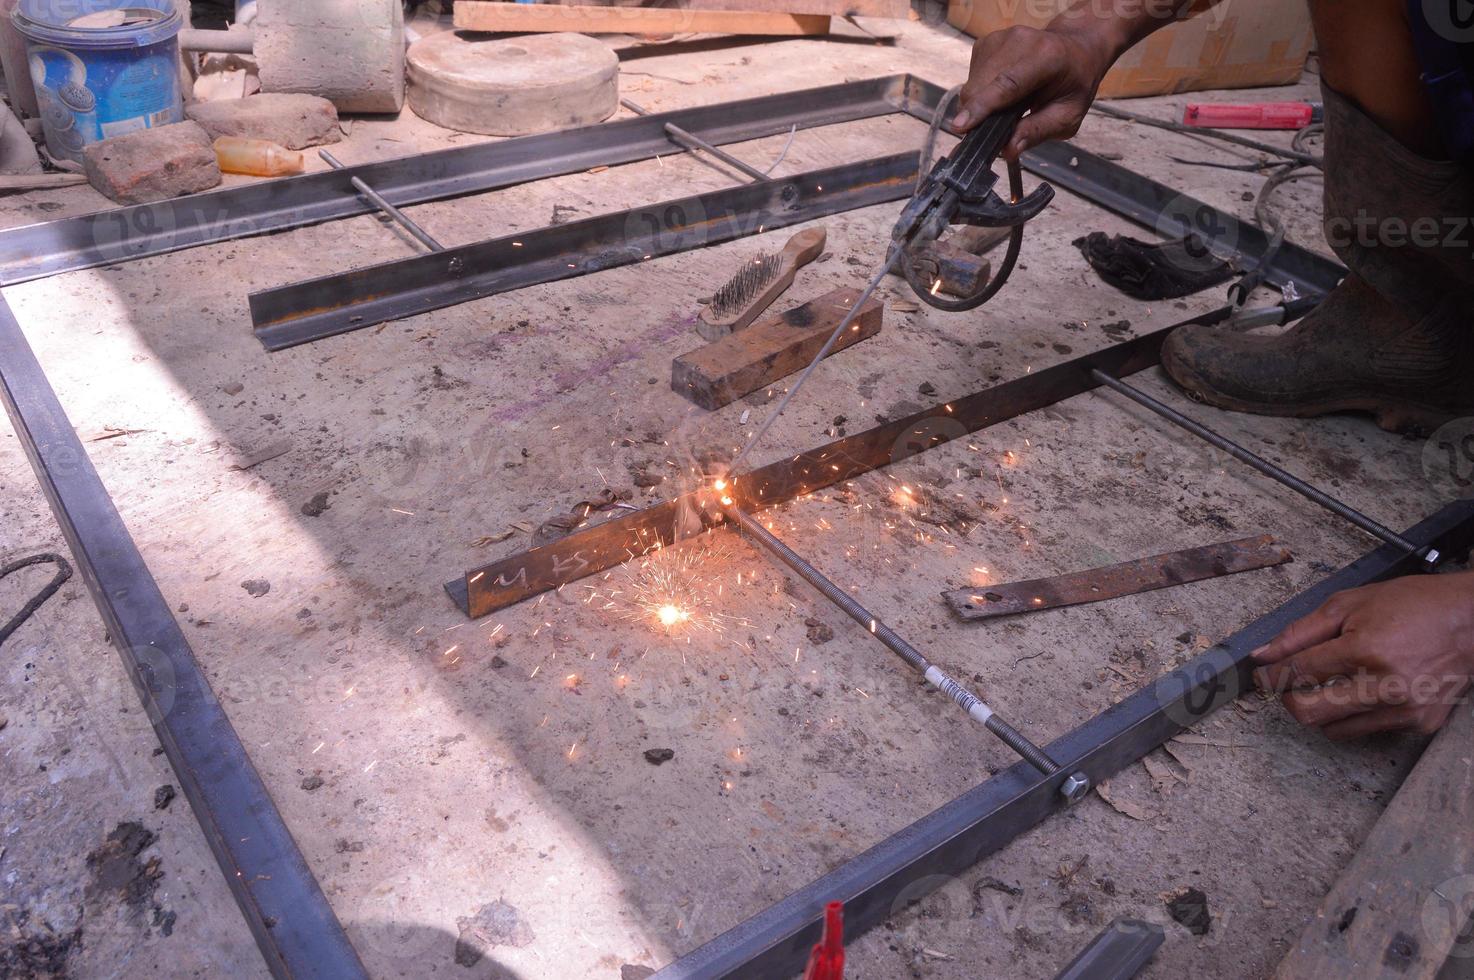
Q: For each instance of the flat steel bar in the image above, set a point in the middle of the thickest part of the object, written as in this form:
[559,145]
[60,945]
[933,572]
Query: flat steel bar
[969,702]
[594,549]
[920,858]
[121,234]
[390,211]
[294,927]
[690,141]
[1162,571]
[317,308]
[1277,473]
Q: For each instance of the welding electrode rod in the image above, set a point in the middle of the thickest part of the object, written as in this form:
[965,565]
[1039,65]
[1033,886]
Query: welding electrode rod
[693,142]
[1263,465]
[844,325]
[968,701]
[378,201]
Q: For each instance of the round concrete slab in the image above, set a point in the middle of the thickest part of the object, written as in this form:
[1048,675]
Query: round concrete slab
[512,86]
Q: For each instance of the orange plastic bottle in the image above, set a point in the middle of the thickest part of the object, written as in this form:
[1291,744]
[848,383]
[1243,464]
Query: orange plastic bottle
[258,158]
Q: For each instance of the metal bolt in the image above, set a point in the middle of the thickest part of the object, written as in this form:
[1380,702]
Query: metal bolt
[1074,788]
[1431,557]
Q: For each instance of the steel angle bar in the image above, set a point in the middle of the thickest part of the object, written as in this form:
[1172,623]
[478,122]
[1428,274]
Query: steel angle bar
[594,549]
[307,311]
[296,930]
[924,856]
[121,234]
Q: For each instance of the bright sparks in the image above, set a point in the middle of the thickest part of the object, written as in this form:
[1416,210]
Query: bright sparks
[670,614]
[675,590]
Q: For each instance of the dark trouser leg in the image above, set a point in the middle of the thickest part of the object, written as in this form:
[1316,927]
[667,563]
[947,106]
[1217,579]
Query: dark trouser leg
[1396,339]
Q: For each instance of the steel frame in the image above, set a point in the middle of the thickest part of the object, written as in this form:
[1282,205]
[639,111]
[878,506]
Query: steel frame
[296,930]
[920,858]
[336,303]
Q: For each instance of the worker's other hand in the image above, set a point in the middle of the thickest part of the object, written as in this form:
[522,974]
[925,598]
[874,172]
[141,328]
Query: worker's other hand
[1053,73]
[1387,657]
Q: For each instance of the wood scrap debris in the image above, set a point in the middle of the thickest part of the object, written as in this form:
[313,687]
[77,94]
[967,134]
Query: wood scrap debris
[577,516]
[112,432]
[271,450]
[1123,806]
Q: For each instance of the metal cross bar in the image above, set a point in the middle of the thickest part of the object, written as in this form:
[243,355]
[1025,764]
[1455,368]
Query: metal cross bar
[1074,786]
[693,142]
[390,210]
[1430,556]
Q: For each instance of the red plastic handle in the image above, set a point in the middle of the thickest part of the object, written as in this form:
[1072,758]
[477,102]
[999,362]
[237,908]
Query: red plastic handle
[1259,115]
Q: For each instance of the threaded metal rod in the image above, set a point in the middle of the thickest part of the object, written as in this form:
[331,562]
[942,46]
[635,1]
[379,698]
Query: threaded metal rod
[377,200]
[1429,556]
[691,141]
[965,699]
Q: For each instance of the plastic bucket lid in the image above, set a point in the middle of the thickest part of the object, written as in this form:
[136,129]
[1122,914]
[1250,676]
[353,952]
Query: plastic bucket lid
[52,22]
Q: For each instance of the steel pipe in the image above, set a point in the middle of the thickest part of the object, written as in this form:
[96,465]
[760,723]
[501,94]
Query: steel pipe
[1429,555]
[976,708]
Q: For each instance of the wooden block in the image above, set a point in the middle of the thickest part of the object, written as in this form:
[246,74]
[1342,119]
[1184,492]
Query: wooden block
[481,15]
[1399,907]
[773,348]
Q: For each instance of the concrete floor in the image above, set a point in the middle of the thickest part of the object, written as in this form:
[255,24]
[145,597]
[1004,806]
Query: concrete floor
[426,786]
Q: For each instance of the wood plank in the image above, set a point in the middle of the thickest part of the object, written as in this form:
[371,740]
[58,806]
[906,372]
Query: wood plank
[893,9]
[1399,907]
[481,15]
[770,349]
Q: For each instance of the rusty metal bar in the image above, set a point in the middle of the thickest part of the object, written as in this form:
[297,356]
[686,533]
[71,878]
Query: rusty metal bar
[1122,579]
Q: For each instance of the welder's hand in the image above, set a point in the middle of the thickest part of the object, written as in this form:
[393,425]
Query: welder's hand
[1054,73]
[1385,657]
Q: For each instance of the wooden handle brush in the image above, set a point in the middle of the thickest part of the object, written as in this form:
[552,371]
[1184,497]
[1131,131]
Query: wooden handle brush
[757,284]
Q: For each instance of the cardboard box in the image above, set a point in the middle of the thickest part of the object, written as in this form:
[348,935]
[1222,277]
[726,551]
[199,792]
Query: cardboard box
[1238,44]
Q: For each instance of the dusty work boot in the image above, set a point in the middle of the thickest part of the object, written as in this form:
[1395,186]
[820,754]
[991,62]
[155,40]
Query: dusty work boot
[1396,337]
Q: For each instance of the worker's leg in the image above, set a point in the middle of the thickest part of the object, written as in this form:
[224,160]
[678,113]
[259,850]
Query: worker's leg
[1397,337]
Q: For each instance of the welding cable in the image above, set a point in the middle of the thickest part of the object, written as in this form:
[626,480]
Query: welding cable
[63,572]
[926,291]
[975,707]
[1238,292]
